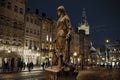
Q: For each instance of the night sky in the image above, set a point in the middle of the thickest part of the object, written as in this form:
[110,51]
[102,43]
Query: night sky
[103,16]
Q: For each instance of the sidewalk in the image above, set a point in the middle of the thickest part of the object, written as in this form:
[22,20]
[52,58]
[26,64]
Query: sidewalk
[36,68]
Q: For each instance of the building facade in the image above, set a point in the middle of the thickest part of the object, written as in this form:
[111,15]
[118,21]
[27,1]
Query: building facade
[12,17]
[48,35]
[33,24]
[84,41]
[74,46]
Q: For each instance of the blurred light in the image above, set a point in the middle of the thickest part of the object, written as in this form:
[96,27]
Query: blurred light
[75,54]
[103,58]
[107,41]
[9,51]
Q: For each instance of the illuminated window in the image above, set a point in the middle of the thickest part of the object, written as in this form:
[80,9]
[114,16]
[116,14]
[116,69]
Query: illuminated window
[50,47]
[50,39]
[43,45]
[46,37]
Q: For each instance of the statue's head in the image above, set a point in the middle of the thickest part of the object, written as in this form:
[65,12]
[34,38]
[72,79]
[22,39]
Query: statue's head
[61,10]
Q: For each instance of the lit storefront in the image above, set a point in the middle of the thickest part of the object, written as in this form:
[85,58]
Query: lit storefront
[10,55]
[32,56]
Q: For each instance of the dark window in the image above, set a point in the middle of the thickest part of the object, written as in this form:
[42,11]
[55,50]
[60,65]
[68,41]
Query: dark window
[35,47]
[15,24]
[37,32]
[28,19]
[27,30]
[20,26]
[35,21]
[21,11]
[30,30]
[21,1]
[31,20]
[3,4]
[9,6]
[7,21]
[30,44]
[14,39]
[16,8]
[34,31]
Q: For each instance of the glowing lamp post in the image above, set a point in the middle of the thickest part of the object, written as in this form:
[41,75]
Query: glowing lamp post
[75,54]
[107,52]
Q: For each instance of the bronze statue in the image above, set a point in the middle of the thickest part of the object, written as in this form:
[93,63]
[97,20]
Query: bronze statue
[63,36]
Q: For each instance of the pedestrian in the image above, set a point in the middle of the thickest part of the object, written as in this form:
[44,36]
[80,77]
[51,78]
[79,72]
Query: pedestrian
[31,65]
[43,64]
[24,65]
[21,65]
[12,64]
[28,65]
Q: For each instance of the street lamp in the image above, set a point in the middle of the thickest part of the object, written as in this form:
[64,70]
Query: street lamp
[107,41]
[75,54]
[107,52]
[9,51]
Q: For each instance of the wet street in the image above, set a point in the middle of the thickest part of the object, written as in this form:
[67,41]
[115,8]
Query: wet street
[33,75]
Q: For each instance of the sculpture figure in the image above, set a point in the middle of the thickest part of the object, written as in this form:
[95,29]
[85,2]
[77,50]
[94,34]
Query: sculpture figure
[63,36]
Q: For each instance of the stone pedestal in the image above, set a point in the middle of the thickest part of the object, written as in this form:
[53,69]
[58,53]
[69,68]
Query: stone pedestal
[55,73]
[52,73]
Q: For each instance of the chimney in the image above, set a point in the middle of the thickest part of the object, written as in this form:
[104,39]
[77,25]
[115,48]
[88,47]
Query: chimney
[28,9]
[43,14]
[37,12]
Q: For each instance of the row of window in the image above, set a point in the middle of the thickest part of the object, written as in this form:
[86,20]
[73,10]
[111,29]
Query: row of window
[19,26]
[8,22]
[33,21]
[32,44]
[31,31]
[9,6]
[21,1]
[115,51]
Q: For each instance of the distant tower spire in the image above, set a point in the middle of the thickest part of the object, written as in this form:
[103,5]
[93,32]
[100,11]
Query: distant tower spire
[84,18]
[84,24]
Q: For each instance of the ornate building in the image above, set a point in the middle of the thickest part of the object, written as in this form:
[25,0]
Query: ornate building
[48,34]
[84,41]
[33,24]
[39,37]
[12,17]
